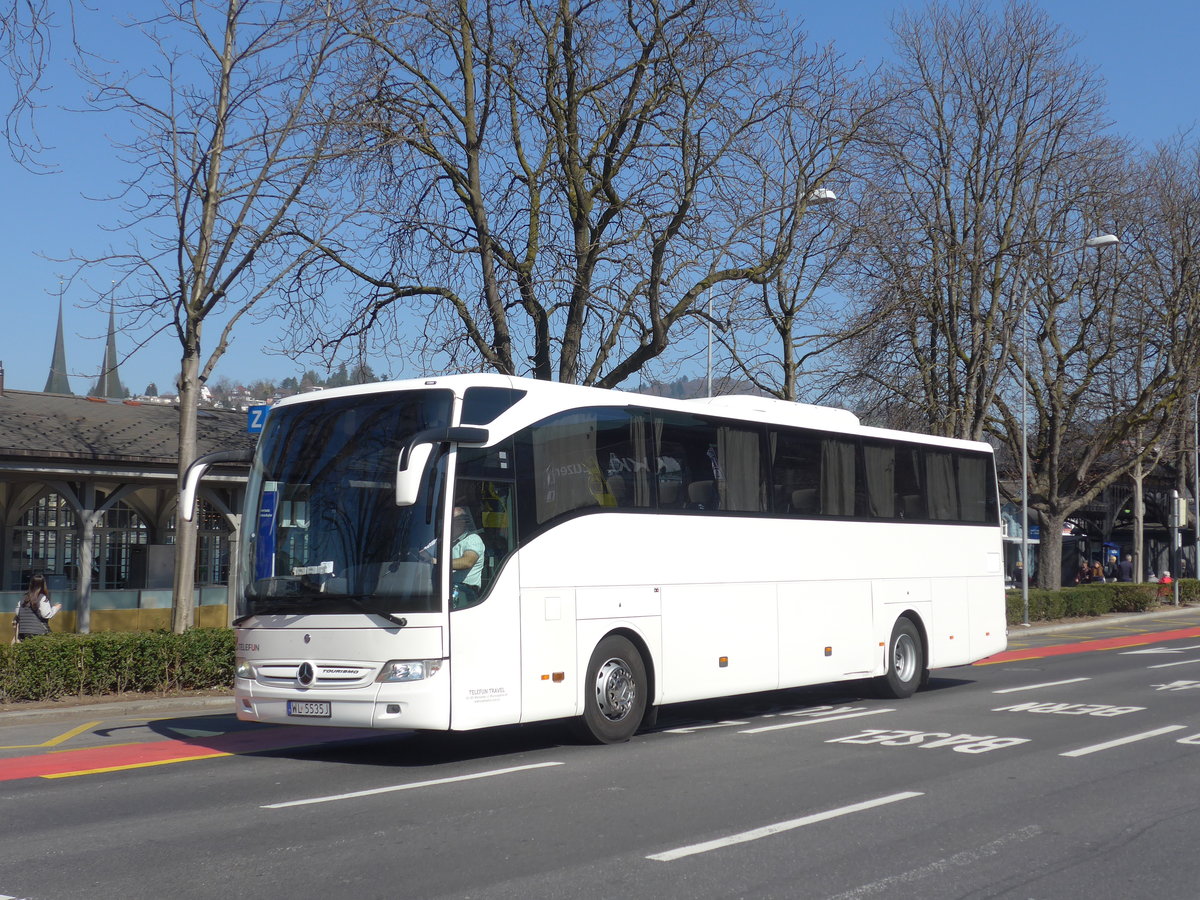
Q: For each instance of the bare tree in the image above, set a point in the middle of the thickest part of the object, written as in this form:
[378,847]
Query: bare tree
[232,129]
[26,32]
[991,106]
[562,180]
[780,321]
[1112,341]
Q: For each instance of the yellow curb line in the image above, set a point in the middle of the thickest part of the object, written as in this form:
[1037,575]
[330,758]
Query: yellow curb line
[55,741]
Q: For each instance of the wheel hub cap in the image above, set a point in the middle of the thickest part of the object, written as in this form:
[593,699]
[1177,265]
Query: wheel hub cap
[615,690]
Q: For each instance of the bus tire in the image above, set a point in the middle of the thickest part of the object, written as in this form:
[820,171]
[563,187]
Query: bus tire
[905,662]
[614,701]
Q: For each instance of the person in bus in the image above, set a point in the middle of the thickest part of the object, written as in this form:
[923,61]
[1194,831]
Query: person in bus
[466,559]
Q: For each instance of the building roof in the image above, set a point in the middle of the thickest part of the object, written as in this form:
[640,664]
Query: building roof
[90,431]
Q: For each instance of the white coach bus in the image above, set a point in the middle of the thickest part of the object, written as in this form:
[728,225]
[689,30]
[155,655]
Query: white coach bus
[477,550]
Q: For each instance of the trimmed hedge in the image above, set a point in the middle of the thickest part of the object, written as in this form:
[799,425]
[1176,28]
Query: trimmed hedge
[65,665]
[1096,600]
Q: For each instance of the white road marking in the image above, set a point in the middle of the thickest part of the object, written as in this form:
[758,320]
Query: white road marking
[1108,745]
[777,828]
[410,786]
[853,715]
[1182,662]
[692,729]
[1044,684]
[940,867]
[1160,650]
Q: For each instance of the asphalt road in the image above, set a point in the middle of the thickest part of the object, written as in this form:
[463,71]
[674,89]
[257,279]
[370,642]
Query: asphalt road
[1067,768]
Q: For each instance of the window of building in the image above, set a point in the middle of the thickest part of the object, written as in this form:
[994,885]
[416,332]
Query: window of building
[45,541]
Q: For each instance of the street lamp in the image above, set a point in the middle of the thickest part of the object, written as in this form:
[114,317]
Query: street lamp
[1093,243]
[815,197]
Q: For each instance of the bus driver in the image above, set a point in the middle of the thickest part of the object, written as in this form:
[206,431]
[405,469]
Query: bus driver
[466,559]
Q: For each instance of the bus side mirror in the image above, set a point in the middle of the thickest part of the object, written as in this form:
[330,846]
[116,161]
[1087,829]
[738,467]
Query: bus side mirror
[414,457]
[410,470]
[191,478]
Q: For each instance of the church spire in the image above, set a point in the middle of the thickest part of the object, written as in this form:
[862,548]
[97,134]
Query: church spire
[57,381]
[109,383]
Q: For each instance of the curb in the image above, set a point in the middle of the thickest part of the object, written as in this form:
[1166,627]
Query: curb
[123,707]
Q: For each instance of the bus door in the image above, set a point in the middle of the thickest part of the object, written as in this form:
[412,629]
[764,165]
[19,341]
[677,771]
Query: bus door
[485,626]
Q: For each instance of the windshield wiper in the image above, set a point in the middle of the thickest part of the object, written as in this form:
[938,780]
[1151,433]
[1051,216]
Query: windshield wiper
[398,621]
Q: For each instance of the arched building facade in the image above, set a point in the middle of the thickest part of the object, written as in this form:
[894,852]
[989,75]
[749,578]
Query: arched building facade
[88,497]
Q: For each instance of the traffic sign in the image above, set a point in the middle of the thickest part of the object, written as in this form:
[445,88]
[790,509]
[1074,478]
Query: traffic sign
[256,416]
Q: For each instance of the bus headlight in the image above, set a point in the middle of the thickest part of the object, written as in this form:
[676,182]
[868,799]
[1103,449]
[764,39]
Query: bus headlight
[395,670]
[244,670]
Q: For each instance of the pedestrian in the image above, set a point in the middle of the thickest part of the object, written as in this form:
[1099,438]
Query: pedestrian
[1125,569]
[1084,574]
[1097,572]
[35,610]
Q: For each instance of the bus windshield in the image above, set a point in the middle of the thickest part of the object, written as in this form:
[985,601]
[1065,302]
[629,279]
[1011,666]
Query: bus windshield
[328,536]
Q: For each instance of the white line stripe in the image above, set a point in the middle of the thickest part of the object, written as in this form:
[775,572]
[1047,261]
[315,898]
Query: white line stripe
[1108,745]
[768,830]
[692,729]
[1045,684]
[854,715]
[410,786]
[1182,662]
[939,868]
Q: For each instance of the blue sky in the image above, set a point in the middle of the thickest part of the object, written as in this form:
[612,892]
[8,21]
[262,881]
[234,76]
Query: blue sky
[1145,52]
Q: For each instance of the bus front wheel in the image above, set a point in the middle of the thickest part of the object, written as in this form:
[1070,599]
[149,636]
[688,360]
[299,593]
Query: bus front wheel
[615,692]
[905,662]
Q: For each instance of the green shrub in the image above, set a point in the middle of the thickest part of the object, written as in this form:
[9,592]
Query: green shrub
[64,665]
[1095,600]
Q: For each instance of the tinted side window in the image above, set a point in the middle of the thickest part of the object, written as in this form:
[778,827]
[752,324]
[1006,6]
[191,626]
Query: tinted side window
[483,405]
[910,496]
[706,465]
[977,488]
[590,458]
[941,485]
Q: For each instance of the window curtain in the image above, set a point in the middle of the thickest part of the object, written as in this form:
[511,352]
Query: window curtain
[940,485]
[740,462]
[880,471]
[837,477]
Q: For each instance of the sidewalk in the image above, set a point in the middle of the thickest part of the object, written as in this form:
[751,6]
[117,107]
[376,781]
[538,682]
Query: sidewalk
[1149,618]
[104,707]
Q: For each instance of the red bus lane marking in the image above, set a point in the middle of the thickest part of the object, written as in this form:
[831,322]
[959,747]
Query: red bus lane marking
[93,760]
[1131,640]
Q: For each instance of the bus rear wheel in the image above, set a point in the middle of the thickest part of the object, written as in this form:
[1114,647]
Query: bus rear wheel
[905,662]
[615,692]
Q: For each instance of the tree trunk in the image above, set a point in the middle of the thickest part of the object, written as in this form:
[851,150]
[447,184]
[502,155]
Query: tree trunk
[87,535]
[185,531]
[1050,555]
[1139,525]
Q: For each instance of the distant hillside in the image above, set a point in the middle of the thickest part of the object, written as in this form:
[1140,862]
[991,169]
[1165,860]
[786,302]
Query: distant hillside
[691,388]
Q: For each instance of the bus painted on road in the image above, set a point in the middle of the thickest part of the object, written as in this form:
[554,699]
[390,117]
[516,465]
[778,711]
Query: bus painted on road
[474,550]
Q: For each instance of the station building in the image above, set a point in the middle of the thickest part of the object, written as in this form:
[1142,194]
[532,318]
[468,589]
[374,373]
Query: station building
[88,495]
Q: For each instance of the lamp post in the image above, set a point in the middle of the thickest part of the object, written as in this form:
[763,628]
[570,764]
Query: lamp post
[1093,243]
